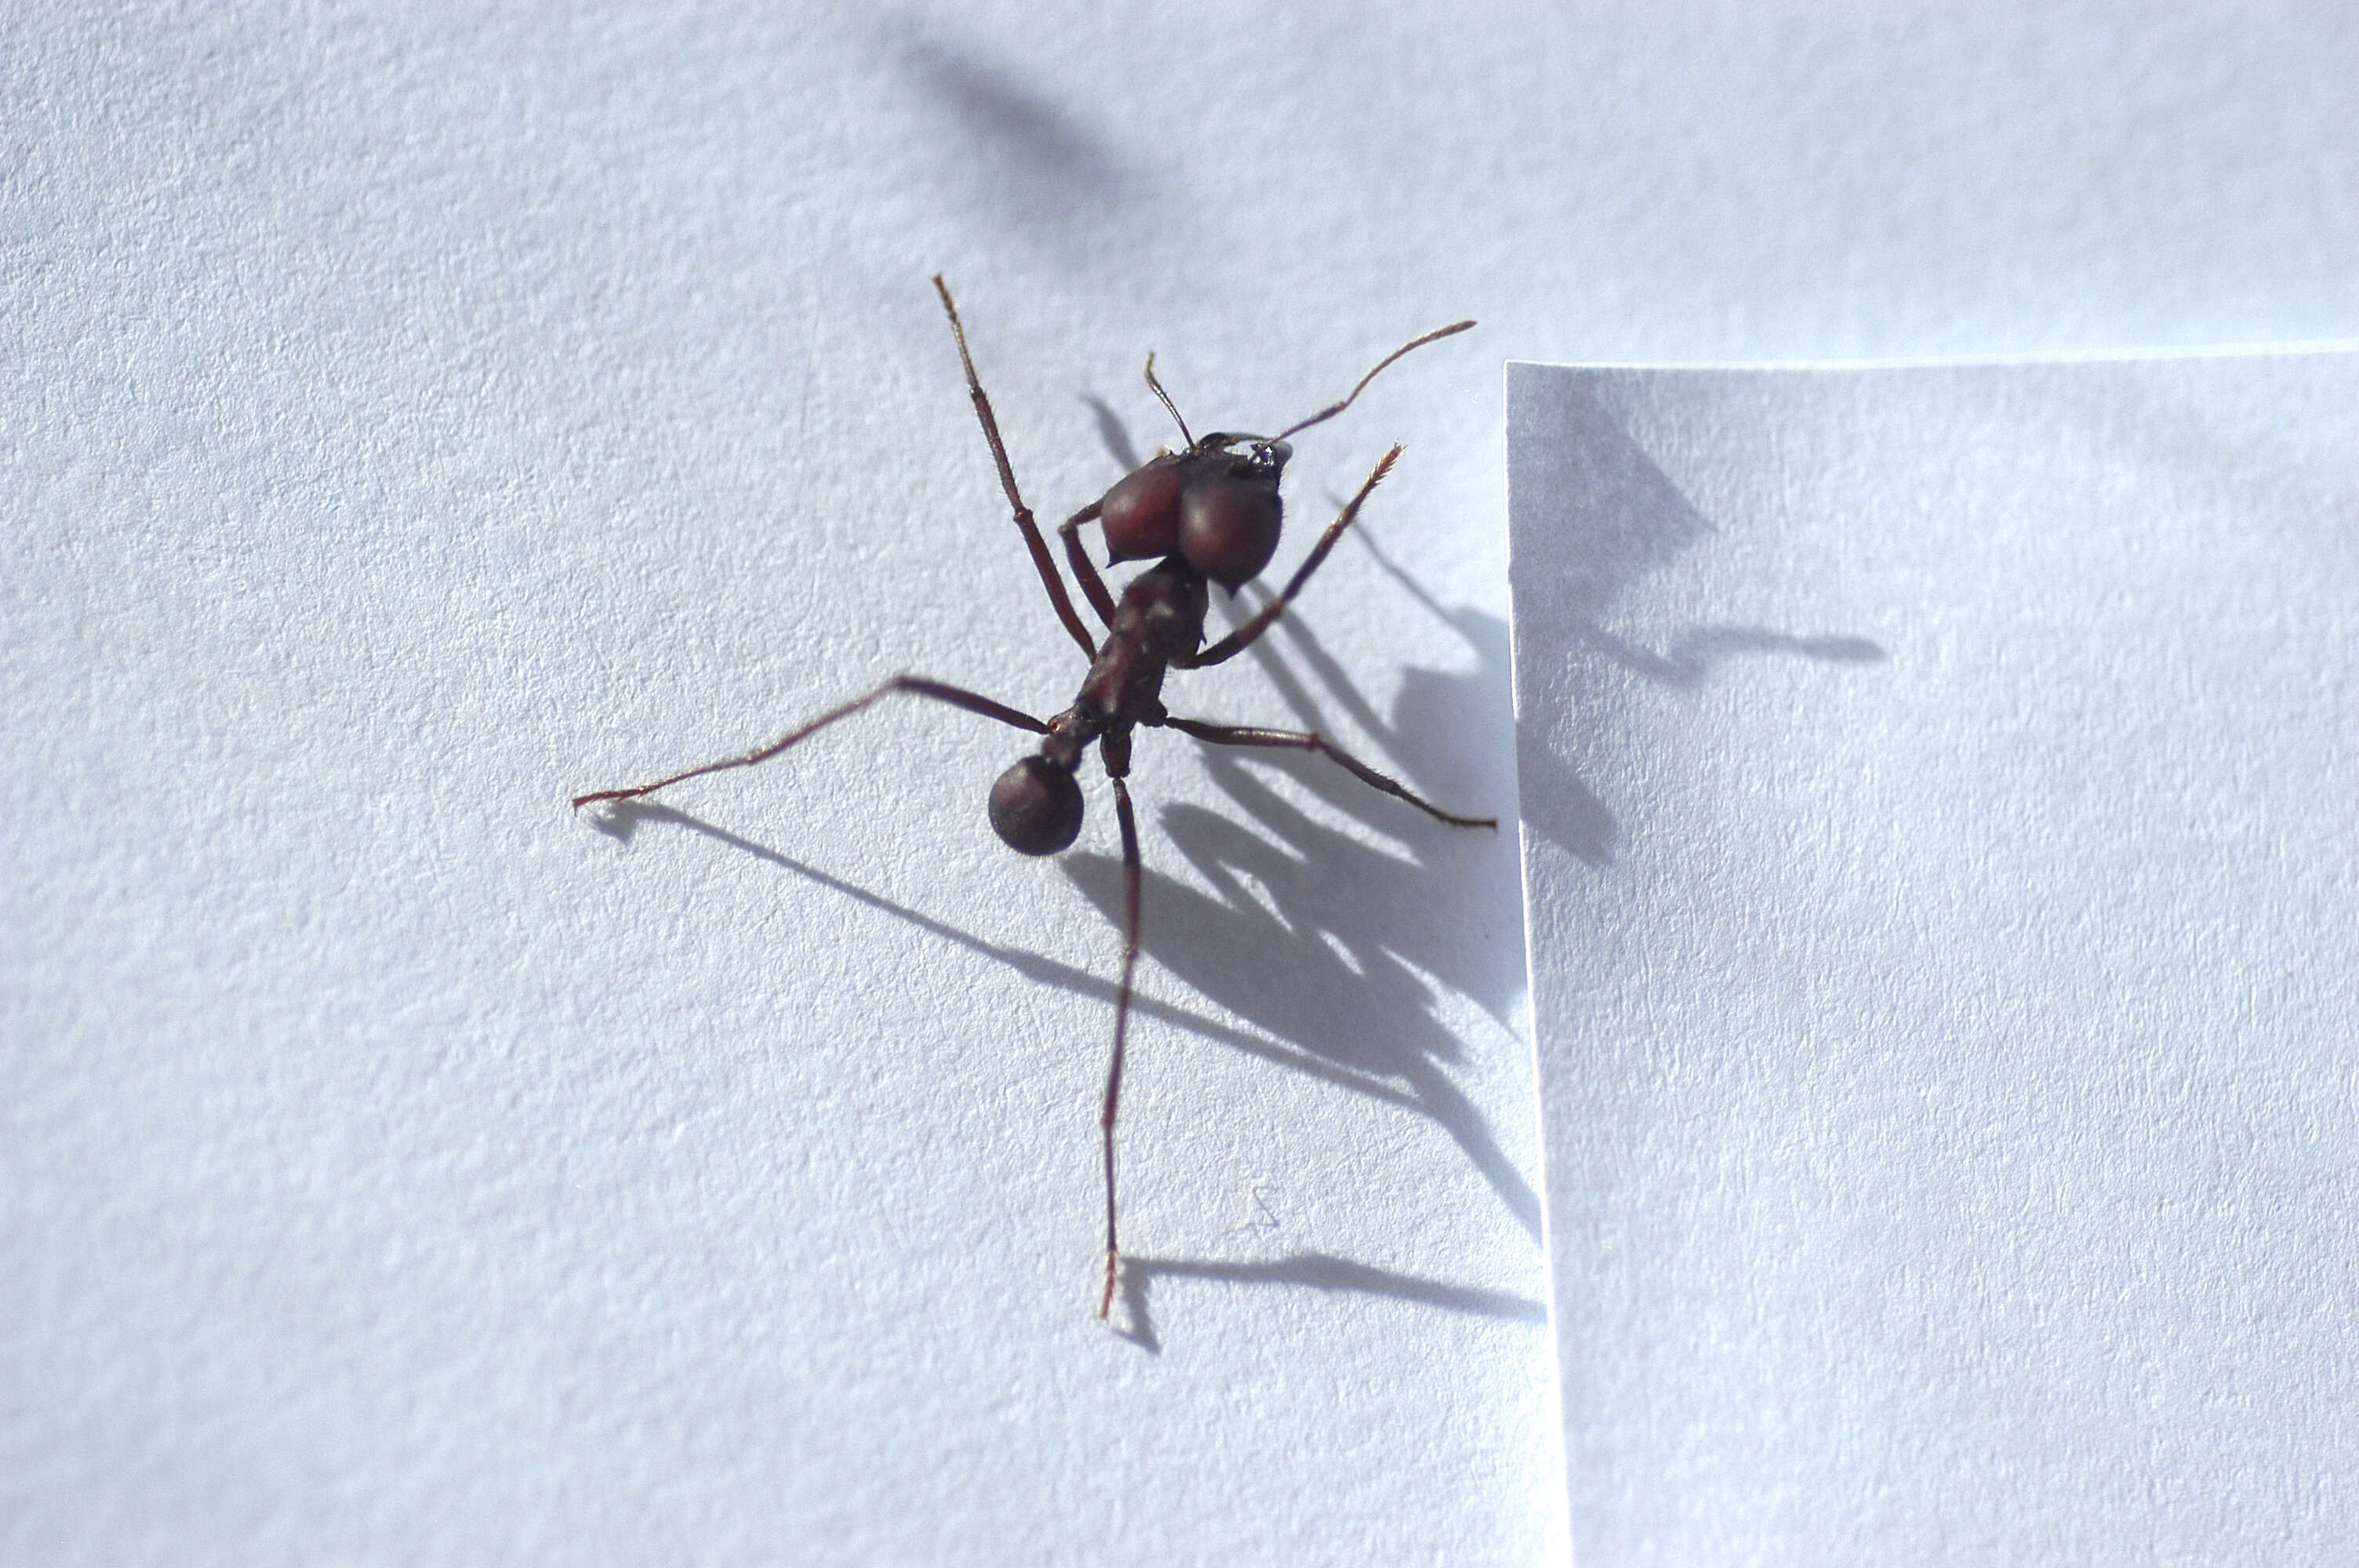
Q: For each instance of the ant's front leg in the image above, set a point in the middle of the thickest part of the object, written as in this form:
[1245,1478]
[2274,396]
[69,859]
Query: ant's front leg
[917,686]
[1093,586]
[1242,637]
[1024,520]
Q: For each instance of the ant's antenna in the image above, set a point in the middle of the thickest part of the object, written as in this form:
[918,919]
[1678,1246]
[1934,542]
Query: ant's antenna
[1329,412]
[1156,387]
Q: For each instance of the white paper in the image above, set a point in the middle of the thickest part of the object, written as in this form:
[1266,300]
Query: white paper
[415,420]
[1941,853]
[416,414]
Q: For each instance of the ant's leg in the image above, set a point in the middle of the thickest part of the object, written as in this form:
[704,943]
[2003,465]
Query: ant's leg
[1093,586]
[1239,640]
[1130,879]
[1031,530]
[957,697]
[1307,741]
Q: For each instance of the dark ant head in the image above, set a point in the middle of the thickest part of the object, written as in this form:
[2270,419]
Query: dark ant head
[1230,514]
[1213,505]
[1215,508]
[1141,513]
[1035,807]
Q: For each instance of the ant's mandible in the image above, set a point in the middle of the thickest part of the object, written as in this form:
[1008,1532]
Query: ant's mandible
[1209,514]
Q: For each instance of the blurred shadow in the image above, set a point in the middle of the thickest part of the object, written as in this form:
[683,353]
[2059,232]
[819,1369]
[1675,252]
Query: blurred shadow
[1444,725]
[1322,941]
[1590,483]
[1692,659]
[1031,166]
[1329,947]
[1315,1270]
[1113,432]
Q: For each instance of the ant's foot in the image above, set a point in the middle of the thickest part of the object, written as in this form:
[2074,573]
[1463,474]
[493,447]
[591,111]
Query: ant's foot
[1105,1299]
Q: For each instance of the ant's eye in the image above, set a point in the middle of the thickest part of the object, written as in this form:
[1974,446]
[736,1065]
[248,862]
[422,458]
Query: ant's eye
[1228,527]
[1035,807]
[1141,513]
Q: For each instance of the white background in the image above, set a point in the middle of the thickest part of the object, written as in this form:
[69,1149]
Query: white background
[415,417]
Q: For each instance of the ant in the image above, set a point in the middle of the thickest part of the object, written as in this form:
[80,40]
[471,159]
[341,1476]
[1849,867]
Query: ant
[1208,514]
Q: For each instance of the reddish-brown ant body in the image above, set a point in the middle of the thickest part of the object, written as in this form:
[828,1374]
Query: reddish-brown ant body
[1209,514]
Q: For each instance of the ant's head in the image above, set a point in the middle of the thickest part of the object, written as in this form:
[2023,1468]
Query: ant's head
[1035,807]
[1214,505]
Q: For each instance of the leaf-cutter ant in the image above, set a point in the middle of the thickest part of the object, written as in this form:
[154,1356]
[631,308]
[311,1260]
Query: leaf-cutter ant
[1208,514]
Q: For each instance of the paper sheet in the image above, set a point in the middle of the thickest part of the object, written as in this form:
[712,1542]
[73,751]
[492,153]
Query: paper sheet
[1942,856]
[416,414]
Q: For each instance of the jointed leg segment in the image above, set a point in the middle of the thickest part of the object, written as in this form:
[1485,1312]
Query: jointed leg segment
[917,686]
[1130,892]
[1093,586]
[1308,741]
[1023,519]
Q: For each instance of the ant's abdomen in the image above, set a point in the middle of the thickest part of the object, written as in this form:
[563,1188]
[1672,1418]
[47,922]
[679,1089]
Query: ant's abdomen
[1035,807]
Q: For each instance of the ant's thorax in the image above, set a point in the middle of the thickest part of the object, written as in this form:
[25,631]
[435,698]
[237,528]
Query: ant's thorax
[1158,622]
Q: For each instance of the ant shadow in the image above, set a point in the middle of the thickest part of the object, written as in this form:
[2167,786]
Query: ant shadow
[1318,1271]
[622,819]
[1591,485]
[1334,946]
[1330,975]
[1314,939]
[1322,1271]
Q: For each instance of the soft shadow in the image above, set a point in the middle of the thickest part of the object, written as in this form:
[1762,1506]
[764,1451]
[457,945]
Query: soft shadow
[1318,937]
[1447,733]
[1313,940]
[1113,432]
[1030,165]
[1327,945]
[1692,659]
[1315,1270]
[1590,483]
[622,819]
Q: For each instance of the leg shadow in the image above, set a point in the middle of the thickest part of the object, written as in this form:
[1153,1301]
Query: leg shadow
[1320,940]
[622,819]
[1312,1270]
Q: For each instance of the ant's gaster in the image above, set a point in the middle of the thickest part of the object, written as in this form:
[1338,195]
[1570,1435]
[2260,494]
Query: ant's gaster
[1208,514]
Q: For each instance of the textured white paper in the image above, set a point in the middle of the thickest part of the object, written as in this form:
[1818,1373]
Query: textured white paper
[413,414]
[1942,847]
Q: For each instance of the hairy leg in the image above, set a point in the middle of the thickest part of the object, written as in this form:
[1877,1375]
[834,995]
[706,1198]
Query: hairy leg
[1023,519]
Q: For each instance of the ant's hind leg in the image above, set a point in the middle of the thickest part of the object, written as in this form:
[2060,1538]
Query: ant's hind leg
[1308,741]
[1130,892]
[916,686]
